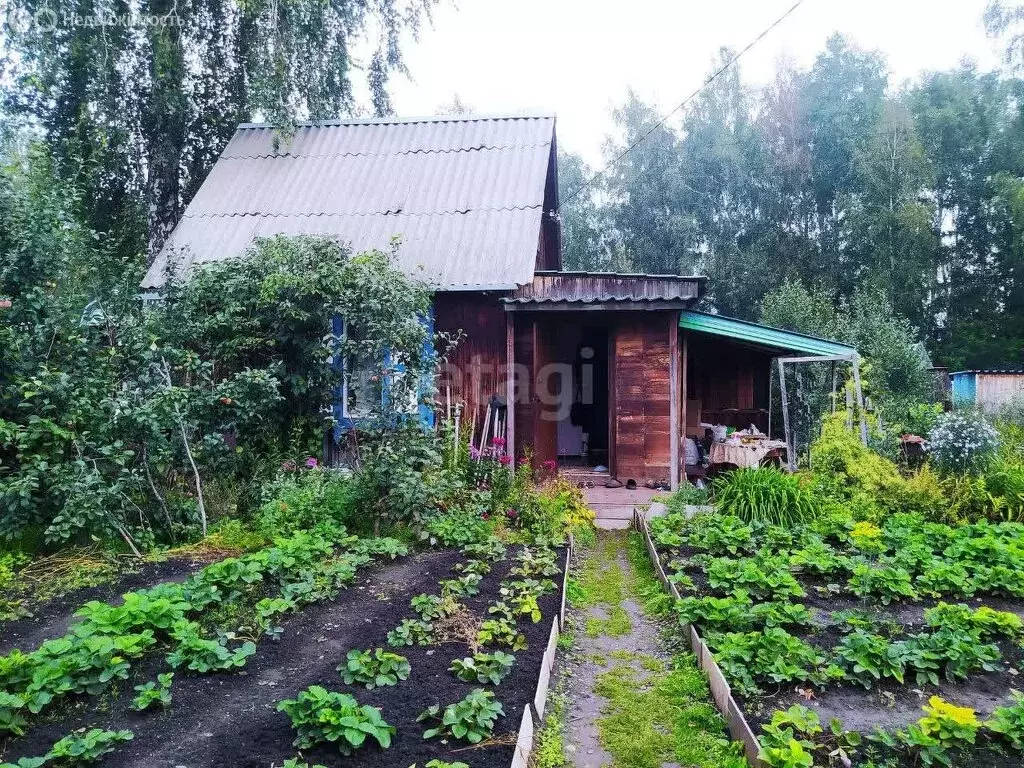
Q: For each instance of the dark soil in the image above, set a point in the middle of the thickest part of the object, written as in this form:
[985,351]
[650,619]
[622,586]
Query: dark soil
[232,720]
[52,618]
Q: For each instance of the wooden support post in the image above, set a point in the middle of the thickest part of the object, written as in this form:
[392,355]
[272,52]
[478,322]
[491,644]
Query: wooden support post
[510,385]
[673,403]
[684,375]
[860,401]
[790,458]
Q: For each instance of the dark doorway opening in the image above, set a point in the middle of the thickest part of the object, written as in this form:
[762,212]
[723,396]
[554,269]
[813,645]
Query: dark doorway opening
[583,429]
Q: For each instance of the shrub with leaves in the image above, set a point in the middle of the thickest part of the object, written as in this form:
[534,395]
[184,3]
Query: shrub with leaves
[154,692]
[471,719]
[483,667]
[1008,721]
[773,656]
[374,668]
[321,716]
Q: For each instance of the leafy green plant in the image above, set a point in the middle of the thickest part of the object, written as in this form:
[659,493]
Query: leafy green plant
[501,632]
[478,567]
[471,719]
[987,621]
[766,495]
[483,667]
[886,582]
[374,668]
[466,585]
[445,764]
[154,692]
[760,577]
[1008,721]
[492,549]
[431,607]
[321,716]
[773,655]
[411,632]
[869,658]
[944,727]
[203,655]
[787,739]
[86,746]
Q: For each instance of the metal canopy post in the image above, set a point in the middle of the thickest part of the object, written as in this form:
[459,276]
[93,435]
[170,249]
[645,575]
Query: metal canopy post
[790,463]
[855,361]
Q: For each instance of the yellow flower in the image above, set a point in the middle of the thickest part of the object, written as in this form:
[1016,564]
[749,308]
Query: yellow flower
[938,708]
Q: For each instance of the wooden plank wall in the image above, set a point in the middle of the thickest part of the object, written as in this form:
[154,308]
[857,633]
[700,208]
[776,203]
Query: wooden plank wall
[476,367]
[724,377]
[642,395]
[525,405]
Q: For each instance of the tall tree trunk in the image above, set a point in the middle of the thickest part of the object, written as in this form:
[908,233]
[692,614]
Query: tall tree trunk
[165,124]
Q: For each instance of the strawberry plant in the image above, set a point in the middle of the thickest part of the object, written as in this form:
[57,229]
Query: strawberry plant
[374,668]
[773,655]
[445,764]
[11,718]
[868,658]
[944,727]
[158,692]
[479,567]
[465,586]
[471,719]
[1008,721]
[760,577]
[527,586]
[787,740]
[987,621]
[884,581]
[321,716]
[203,655]
[431,607]
[526,605]
[84,746]
[483,667]
[138,611]
[536,562]
[942,578]
[492,549]
[501,632]
[411,632]
[268,609]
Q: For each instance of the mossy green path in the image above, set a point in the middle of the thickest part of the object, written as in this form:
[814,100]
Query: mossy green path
[629,695]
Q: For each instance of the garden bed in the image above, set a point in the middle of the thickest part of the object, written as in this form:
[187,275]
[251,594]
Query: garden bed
[829,615]
[232,718]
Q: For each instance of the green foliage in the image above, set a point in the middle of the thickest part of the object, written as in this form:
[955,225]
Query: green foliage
[786,742]
[483,667]
[765,495]
[883,580]
[463,586]
[1008,721]
[430,607]
[411,632]
[374,668]
[87,746]
[154,692]
[203,655]
[300,501]
[501,632]
[457,528]
[767,577]
[737,613]
[868,658]
[943,728]
[471,719]
[988,622]
[772,655]
[321,716]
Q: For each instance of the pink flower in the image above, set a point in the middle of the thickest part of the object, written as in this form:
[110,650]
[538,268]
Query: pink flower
[498,442]
[485,516]
[474,454]
[512,513]
[288,466]
[311,463]
[550,465]
[505,459]
[523,461]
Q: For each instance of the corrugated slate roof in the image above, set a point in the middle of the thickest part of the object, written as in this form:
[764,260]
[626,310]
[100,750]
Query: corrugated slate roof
[465,195]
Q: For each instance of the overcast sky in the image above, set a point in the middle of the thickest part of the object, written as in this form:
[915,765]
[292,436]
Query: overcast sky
[576,58]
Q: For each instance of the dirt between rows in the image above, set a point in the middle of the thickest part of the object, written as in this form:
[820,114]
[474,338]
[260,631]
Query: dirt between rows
[232,720]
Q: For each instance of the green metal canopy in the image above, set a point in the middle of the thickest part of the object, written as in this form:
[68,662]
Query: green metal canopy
[762,335]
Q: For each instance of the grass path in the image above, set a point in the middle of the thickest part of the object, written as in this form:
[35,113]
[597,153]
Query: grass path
[627,695]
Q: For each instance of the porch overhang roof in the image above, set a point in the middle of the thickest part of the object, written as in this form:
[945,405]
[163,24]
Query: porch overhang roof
[774,340]
[551,290]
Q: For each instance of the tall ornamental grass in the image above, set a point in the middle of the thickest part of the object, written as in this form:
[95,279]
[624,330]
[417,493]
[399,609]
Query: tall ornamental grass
[766,495]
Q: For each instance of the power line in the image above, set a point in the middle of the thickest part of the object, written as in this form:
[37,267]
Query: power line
[715,75]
